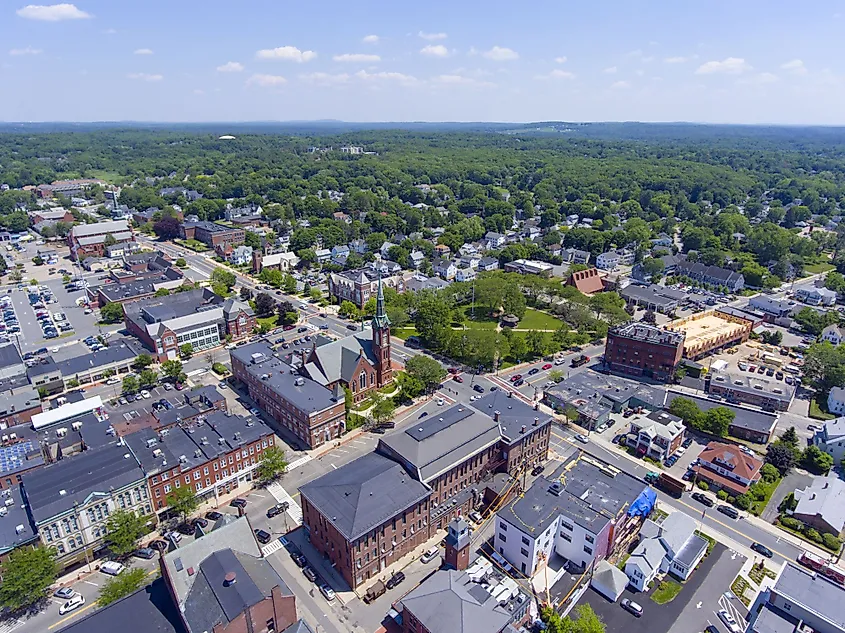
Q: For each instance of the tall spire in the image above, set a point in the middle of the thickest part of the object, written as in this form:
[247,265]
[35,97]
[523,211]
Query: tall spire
[380,320]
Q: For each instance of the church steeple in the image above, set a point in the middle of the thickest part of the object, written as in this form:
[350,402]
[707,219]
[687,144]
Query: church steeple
[380,320]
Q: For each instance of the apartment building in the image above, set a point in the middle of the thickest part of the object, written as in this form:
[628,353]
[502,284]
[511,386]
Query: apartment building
[69,502]
[89,240]
[728,467]
[799,600]
[639,349]
[212,234]
[373,511]
[657,435]
[198,317]
[358,286]
[311,412]
[770,395]
[214,454]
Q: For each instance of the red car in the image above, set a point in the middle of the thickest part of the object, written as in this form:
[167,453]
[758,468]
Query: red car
[516,377]
[457,378]
[288,328]
[547,366]
[453,370]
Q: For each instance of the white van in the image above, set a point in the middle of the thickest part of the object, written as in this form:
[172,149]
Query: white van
[112,568]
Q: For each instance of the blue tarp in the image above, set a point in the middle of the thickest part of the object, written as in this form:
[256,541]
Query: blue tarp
[644,504]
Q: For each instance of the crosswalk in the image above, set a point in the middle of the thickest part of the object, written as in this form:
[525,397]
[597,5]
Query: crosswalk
[299,462]
[7,626]
[268,549]
[281,495]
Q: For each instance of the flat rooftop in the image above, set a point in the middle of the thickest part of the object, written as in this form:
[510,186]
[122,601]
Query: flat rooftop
[744,418]
[748,383]
[649,334]
[702,331]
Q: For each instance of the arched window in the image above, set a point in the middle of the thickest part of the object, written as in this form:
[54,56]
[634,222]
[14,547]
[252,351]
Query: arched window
[362,381]
[60,549]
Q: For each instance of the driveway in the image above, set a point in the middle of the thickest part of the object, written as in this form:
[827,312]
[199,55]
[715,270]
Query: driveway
[795,479]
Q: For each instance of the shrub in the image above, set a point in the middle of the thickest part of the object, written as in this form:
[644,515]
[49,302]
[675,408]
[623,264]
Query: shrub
[813,535]
[831,541]
[723,495]
[743,502]
[219,368]
[731,499]
[703,485]
[792,524]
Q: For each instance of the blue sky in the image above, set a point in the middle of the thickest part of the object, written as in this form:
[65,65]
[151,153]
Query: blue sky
[743,61]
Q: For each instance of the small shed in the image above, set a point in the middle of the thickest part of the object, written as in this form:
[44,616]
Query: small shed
[510,320]
[609,581]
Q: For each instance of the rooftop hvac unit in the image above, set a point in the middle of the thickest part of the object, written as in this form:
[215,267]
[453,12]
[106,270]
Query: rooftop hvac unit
[299,381]
[157,452]
[182,459]
[3,511]
[13,436]
[9,502]
[61,432]
[152,442]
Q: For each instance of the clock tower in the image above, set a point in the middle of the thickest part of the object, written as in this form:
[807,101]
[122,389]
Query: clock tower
[381,340]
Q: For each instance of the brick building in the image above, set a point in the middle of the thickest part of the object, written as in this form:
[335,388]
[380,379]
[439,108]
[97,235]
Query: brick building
[215,455]
[587,281]
[89,240]
[358,286]
[373,511]
[308,410]
[638,349]
[198,317]
[212,234]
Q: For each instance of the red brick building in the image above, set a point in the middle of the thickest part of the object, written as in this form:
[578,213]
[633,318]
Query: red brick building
[89,240]
[212,234]
[639,349]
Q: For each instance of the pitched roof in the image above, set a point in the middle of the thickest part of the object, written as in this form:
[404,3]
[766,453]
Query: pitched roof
[731,458]
[336,360]
[587,281]
[610,576]
[99,228]
[648,554]
[824,498]
[363,494]
[447,602]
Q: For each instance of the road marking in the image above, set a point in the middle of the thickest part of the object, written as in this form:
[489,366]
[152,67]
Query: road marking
[299,462]
[268,549]
[282,496]
[90,583]
[698,605]
[333,466]
[10,625]
[255,494]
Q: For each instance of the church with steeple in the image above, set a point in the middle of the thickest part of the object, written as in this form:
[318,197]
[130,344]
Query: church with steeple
[360,362]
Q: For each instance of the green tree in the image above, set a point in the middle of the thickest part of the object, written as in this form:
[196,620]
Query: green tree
[717,421]
[816,461]
[289,284]
[183,501]
[186,350]
[126,582]
[27,574]
[348,309]
[781,457]
[410,386]
[519,348]
[112,313]
[130,384]
[383,410]
[687,410]
[272,465]
[142,361]
[537,342]
[162,292]
[425,369]
[172,369]
[181,263]
[124,528]
[147,378]
[264,305]
[223,277]
[315,293]
[72,383]
[432,318]
[555,375]
[653,267]
[585,620]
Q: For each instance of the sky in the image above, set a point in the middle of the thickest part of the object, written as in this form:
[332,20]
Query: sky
[738,61]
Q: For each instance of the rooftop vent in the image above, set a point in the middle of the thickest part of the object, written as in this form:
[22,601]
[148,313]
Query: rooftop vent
[157,452]
[62,492]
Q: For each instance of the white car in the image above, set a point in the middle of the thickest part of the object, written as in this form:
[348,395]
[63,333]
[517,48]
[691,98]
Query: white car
[582,438]
[72,604]
[54,349]
[429,556]
[730,622]
[559,361]
[145,394]
[113,380]
[112,568]
[440,402]
[255,411]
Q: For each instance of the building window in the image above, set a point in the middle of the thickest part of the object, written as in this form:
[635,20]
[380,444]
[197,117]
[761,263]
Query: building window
[167,488]
[589,539]
[525,540]
[503,526]
[566,537]
[523,551]
[588,550]
[503,538]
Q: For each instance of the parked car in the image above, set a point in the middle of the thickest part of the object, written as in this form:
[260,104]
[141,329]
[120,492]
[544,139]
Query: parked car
[539,468]
[145,552]
[582,438]
[631,607]
[457,378]
[309,573]
[547,366]
[263,536]
[72,604]
[729,621]
[298,559]
[703,499]
[687,442]
[475,515]
[478,388]
[159,545]
[112,568]
[328,592]
[729,511]
[429,556]
[238,503]
[277,509]
[65,593]
[394,580]
[186,528]
[761,549]
[199,522]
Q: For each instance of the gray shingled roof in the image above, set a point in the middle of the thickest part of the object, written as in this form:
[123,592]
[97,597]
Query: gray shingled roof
[434,445]
[825,498]
[100,227]
[363,494]
[449,603]
[337,360]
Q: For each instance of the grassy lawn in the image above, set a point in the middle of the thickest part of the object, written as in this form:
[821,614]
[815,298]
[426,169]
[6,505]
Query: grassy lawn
[622,561]
[738,586]
[109,176]
[657,515]
[821,267]
[269,322]
[193,245]
[819,412]
[769,488]
[667,591]
[536,320]
[758,572]
[403,332]
[480,322]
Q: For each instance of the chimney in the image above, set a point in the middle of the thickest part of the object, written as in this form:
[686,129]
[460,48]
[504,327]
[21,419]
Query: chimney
[510,394]
[230,579]
[536,421]
[496,415]
[536,406]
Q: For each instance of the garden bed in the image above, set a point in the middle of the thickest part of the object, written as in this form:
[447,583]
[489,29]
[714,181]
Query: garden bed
[666,591]
[739,586]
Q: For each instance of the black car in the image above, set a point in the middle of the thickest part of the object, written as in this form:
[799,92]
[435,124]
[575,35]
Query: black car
[302,329]
[394,580]
[478,388]
[238,503]
[519,383]
[277,509]
[263,536]
[145,552]
[309,573]
[538,469]
[761,549]
[729,511]
[186,528]
[702,498]
[161,546]
[299,559]
[533,371]
[352,327]
[279,341]
[199,521]
[687,442]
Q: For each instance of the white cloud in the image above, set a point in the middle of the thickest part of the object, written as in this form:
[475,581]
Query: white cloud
[620,85]
[761,78]
[143,51]
[728,66]
[676,60]
[461,80]
[501,54]
[435,50]
[610,71]
[560,60]
[796,67]
[197,91]
[385,76]
[266,81]
[557,73]
[362,58]
[432,36]
[325,79]
[231,67]
[286,53]
[145,77]
[17,52]
[370,39]
[52,12]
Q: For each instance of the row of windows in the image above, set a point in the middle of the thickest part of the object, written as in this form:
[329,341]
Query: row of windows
[222,463]
[177,483]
